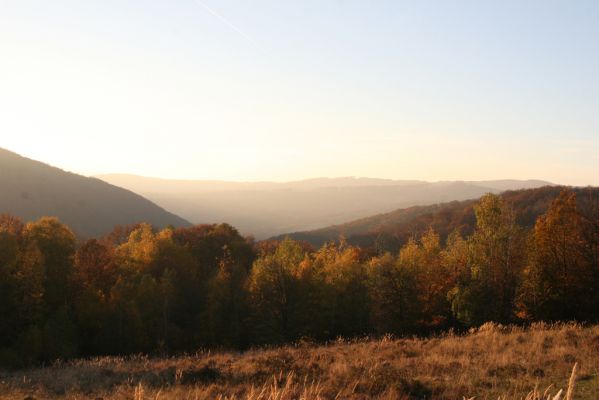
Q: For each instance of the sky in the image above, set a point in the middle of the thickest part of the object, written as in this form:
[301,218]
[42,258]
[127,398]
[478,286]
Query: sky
[283,90]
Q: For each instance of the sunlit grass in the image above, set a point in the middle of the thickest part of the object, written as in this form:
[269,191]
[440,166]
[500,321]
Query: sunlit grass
[488,363]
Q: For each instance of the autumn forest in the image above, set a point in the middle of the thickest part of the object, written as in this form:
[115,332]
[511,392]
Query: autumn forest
[177,290]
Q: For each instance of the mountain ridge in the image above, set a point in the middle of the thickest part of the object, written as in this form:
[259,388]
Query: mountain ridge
[399,225]
[332,181]
[32,189]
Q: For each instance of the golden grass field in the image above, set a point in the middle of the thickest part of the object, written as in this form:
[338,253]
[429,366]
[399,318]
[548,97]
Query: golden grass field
[492,362]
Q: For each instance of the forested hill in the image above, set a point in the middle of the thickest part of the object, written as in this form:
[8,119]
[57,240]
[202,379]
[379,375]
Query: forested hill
[31,189]
[391,230]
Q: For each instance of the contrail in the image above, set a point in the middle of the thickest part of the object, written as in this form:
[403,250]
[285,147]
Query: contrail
[227,22]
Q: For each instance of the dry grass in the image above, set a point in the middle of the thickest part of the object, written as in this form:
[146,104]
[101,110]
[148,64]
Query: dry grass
[489,363]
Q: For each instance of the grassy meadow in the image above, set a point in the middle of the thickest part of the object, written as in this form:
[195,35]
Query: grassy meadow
[490,362]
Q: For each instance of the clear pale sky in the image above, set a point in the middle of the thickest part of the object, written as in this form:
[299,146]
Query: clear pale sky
[284,90]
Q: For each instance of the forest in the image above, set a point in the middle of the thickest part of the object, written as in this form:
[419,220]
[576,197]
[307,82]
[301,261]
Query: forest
[177,290]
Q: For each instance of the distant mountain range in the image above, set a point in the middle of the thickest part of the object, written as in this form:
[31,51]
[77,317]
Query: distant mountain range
[265,209]
[395,228]
[91,207]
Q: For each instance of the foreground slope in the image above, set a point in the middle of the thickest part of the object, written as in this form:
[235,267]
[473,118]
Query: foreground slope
[396,227]
[264,209]
[491,362]
[31,189]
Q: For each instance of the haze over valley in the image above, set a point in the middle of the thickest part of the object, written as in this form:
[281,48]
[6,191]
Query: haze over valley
[93,206]
[265,209]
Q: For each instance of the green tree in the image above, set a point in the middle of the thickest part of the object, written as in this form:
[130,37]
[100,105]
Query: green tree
[487,289]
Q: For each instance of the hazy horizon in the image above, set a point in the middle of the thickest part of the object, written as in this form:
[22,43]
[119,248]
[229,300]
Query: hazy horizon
[282,181]
[315,178]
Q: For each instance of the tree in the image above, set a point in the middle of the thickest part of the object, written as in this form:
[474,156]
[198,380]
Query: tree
[557,279]
[95,273]
[346,303]
[9,253]
[56,243]
[273,293]
[11,224]
[588,208]
[137,253]
[227,305]
[393,295]
[21,296]
[94,265]
[487,290]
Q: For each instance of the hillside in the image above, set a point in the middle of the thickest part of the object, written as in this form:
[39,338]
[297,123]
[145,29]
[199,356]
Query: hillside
[396,227]
[32,189]
[491,362]
[264,209]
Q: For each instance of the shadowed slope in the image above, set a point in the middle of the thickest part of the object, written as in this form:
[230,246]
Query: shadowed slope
[31,189]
